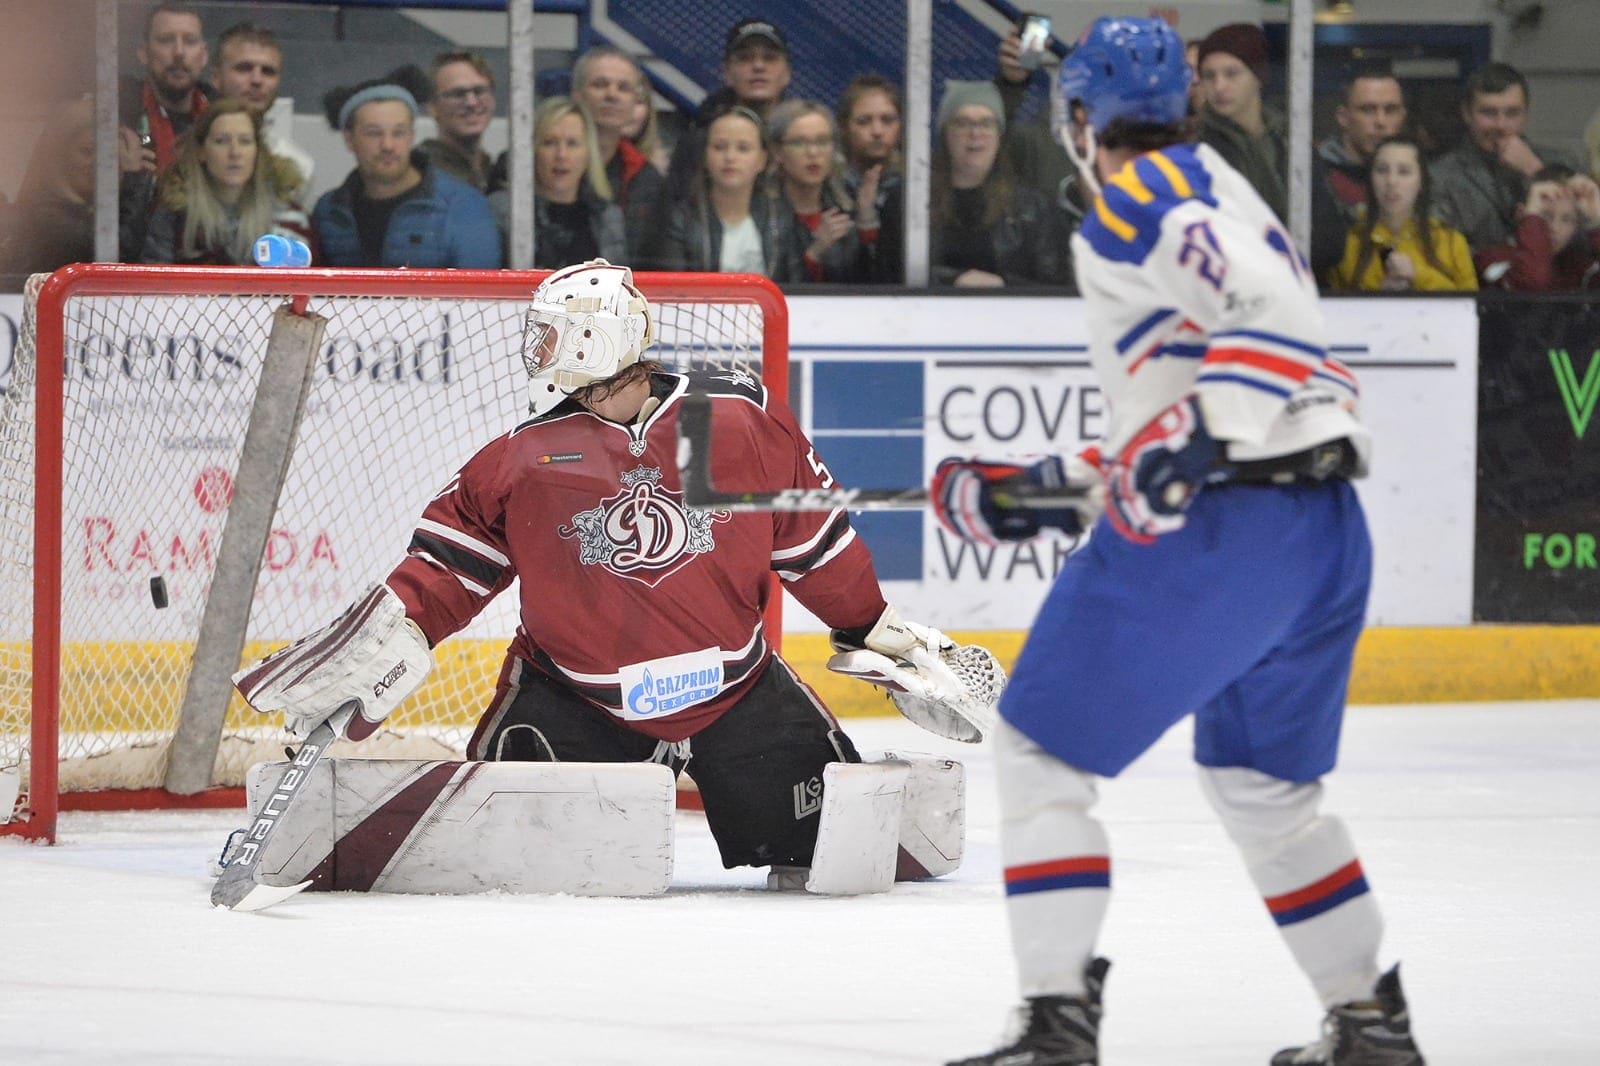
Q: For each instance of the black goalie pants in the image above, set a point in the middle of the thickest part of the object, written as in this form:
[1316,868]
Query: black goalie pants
[758,767]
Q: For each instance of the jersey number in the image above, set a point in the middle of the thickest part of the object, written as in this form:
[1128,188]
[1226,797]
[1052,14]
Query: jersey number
[819,469]
[1279,242]
[1200,250]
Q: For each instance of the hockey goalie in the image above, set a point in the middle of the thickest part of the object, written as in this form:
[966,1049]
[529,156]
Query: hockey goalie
[640,654]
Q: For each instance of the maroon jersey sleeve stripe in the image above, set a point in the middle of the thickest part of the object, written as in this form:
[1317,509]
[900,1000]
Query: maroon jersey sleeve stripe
[457,558]
[801,564]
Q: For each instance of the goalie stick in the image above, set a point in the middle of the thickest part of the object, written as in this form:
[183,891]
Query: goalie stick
[694,470]
[238,886]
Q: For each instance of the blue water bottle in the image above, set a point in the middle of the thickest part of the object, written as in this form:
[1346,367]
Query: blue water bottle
[276,250]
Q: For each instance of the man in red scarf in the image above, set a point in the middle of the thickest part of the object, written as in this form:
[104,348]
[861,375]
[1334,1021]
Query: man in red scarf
[171,96]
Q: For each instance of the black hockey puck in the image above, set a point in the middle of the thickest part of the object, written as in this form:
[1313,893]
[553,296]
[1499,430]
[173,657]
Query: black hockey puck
[158,592]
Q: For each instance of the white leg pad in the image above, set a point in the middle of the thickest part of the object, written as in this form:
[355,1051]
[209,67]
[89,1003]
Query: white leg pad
[858,836]
[400,825]
[933,825]
[10,785]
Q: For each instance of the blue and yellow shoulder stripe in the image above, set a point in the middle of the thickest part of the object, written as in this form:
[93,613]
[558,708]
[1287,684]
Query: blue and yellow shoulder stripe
[1125,222]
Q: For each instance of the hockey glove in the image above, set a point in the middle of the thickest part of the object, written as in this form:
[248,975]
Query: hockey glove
[946,688]
[356,670]
[1159,472]
[986,500]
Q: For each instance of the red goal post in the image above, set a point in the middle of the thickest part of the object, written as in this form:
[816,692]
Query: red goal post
[121,430]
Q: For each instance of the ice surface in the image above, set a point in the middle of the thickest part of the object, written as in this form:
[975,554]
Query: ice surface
[1479,827]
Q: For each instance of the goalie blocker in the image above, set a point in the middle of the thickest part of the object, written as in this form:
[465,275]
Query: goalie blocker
[596,829]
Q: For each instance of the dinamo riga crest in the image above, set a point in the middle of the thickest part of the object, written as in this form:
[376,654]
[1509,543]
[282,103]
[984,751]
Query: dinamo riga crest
[643,532]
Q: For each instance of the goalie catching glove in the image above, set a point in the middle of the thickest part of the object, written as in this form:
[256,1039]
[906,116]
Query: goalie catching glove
[354,671]
[946,688]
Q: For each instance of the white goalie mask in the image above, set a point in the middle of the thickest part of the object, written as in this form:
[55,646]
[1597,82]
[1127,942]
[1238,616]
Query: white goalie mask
[586,323]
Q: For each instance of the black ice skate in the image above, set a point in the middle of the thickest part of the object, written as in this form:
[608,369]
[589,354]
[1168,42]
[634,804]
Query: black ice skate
[1371,1033]
[1056,1030]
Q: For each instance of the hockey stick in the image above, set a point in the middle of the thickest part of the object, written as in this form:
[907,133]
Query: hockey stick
[287,371]
[694,470]
[238,887]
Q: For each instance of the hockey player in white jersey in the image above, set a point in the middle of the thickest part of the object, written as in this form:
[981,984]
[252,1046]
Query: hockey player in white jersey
[1227,579]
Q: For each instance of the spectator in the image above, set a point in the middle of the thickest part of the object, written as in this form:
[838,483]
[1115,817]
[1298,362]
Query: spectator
[607,82]
[1372,110]
[574,220]
[1035,153]
[1037,156]
[52,222]
[249,67]
[1483,179]
[170,97]
[1398,246]
[1557,242]
[802,144]
[396,209]
[157,108]
[724,225]
[462,103]
[1234,121]
[988,229]
[222,191]
[755,75]
[644,129]
[871,123]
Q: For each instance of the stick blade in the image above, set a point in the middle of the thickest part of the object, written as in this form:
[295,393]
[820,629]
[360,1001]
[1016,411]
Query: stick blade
[244,893]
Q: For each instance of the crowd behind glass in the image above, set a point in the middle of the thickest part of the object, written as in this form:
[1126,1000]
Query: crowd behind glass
[759,181]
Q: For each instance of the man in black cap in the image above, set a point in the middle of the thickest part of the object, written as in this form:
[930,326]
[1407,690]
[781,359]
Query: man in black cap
[755,74]
[755,65]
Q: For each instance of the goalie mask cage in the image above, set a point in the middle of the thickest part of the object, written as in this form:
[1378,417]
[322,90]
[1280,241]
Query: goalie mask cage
[121,430]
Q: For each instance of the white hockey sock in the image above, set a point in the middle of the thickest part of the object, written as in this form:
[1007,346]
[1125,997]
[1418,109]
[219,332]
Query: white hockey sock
[1057,865]
[1305,867]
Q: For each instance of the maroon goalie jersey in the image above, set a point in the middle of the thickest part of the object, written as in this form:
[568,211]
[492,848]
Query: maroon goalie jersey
[649,609]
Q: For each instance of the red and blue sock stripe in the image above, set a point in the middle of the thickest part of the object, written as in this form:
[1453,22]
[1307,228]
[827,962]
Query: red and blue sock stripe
[1082,871]
[1319,897]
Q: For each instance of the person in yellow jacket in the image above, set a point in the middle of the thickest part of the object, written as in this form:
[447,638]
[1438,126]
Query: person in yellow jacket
[1399,246]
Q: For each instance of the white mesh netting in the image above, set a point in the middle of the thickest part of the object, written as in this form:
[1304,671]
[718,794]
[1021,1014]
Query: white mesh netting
[158,389]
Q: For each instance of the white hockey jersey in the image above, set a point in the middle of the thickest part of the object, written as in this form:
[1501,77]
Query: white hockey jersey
[1193,285]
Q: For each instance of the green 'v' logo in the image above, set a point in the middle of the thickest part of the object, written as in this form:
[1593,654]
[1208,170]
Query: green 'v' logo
[1580,399]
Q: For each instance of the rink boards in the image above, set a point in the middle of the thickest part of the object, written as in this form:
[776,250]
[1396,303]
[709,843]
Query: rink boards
[1440,664]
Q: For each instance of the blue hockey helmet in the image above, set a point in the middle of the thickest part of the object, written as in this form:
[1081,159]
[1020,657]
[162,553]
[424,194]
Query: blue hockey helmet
[1127,68]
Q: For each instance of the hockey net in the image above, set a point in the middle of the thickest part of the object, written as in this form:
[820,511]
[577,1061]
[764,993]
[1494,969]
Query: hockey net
[121,428]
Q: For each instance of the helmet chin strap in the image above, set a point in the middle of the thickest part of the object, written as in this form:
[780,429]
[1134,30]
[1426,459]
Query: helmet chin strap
[1062,125]
[1084,160]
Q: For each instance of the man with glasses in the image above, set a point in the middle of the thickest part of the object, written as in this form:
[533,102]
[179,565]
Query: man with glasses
[462,105]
